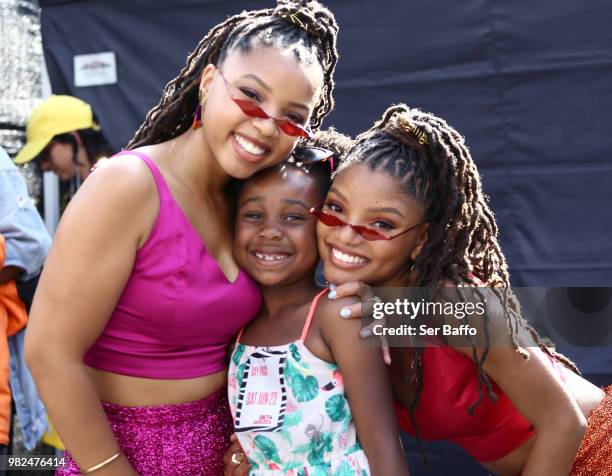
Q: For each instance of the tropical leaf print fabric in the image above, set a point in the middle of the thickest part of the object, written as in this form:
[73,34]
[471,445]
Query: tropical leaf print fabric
[291,413]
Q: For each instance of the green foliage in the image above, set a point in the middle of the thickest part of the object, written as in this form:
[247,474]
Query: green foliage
[267,448]
[292,419]
[336,408]
[304,388]
[237,355]
[295,352]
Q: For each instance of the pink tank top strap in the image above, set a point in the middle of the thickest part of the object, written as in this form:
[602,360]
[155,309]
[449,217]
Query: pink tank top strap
[162,188]
[239,336]
[311,311]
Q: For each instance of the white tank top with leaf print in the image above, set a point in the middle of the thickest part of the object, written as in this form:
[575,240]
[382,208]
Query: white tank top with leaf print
[290,411]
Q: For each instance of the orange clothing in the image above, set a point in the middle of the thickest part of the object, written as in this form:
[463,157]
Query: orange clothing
[13,318]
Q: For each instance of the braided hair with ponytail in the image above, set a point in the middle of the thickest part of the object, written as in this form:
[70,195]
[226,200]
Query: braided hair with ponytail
[432,163]
[303,27]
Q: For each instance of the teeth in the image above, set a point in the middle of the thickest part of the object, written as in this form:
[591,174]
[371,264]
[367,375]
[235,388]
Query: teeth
[273,257]
[248,145]
[339,255]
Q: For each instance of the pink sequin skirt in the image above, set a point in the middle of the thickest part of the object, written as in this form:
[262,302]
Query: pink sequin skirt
[171,440]
[595,454]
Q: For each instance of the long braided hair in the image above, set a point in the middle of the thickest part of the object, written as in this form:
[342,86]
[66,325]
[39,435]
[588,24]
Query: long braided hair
[431,161]
[304,27]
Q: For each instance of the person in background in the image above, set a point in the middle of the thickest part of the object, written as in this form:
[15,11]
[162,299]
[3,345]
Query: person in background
[26,243]
[64,136]
[27,238]
[13,318]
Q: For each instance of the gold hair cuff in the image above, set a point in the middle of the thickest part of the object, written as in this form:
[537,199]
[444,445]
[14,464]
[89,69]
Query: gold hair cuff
[403,129]
[293,18]
[418,133]
[100,465]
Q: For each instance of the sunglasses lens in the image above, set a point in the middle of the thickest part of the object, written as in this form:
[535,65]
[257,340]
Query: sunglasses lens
[313,154]
[292,129]
[368,234]
[251,109]
[328,219]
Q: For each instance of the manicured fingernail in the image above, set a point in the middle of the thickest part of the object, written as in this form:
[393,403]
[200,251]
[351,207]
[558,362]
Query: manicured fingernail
[365,332]
[345,312]
[332,286]
[332,295]
[387,360]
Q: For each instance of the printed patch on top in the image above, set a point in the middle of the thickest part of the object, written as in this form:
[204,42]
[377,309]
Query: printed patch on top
[262,398]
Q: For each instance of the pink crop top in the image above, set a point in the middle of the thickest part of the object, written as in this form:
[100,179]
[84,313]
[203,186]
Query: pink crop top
[178,312]
[450,387]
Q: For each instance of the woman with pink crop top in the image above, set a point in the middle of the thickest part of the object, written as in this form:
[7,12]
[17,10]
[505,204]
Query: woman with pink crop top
[141,295]
[512,403]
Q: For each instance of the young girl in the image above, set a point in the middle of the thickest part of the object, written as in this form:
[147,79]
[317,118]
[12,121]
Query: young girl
[517,406]
[141,295]
[296,386]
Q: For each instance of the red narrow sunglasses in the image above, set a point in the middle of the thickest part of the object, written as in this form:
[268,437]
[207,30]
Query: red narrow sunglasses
[367,233]
[253,110]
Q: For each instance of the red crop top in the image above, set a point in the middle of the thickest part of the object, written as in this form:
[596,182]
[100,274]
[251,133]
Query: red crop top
[449,389]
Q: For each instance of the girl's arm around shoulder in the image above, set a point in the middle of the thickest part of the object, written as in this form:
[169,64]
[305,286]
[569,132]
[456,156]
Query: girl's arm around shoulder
[368,388]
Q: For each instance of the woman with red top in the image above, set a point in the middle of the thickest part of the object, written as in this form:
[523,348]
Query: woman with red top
[516,406]
[141,295]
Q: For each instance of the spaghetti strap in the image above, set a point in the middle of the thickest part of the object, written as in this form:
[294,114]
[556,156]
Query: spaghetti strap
[162,187]
[239,336]
[311,311]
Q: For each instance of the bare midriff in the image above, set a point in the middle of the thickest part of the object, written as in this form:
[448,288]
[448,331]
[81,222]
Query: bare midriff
[588,397]
[130,391]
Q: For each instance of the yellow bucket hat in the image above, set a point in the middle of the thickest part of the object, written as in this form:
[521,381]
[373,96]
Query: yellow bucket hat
[55,115]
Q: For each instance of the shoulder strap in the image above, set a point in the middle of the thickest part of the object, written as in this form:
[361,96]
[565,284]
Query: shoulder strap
[162,188]
[239,336]
[311,311]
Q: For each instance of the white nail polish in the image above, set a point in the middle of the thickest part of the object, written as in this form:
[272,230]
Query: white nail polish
[332,286]
[345,312]
[332,295]
[365,332]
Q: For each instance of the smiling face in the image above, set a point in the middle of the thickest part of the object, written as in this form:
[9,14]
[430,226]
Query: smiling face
[273,80]
[275,240]
[361,196]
